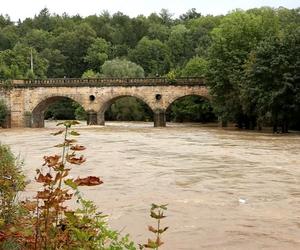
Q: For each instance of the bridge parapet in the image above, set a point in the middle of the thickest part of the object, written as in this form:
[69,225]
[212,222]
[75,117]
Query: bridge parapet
[98,82]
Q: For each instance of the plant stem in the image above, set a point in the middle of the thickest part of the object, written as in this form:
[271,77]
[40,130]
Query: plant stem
[158,227]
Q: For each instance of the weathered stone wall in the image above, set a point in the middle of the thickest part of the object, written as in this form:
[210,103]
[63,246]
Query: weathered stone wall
[34,100]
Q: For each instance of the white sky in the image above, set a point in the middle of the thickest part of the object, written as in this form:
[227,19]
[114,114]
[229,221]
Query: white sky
[28,8]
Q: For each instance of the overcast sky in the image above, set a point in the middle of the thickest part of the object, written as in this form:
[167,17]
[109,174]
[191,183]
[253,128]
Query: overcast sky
[28,8]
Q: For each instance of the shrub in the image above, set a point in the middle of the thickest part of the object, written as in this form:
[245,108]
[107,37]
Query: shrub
[3,112]
[12,181]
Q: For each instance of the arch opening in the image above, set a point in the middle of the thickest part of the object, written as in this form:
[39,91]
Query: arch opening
[126,108]
[191,108]
[55,108]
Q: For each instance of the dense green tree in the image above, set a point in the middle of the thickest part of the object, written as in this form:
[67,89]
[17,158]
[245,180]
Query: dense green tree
[61,110]
[3,112]
[272,92]
[97,53]
[197,66]
[74,46]
[140,25]
[15,63]
[5,21]
[8,37]
[38,39]
[123,32]
[166,17]
[152,55]
[180,45]
[190,14]
[191,109]
[101,24]
[200,32]
[233,40]
[158,31]
[56,62]
[90,74]
[128,109]
[121,68]
[44,20]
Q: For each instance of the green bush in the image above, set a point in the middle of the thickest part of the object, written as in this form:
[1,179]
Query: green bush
[12,181]
[3,112]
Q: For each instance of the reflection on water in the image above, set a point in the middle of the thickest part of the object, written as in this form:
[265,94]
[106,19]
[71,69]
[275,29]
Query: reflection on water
[225,189]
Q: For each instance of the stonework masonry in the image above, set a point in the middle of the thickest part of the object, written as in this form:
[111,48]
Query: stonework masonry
[27,101]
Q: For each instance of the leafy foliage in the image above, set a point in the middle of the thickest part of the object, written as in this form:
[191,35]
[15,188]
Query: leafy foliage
[152,55]
[272,75]
[197,66]
[191,108]
[157,213]
[128,109]
[121,68]
[3,112]
[12,181]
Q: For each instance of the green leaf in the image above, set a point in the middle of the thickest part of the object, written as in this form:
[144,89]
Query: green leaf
[71,183]
[58,132]
[74,133]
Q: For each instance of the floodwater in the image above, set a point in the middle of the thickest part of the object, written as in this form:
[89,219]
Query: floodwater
[226,189]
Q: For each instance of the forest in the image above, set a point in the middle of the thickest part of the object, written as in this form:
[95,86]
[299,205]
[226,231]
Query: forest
[250,60]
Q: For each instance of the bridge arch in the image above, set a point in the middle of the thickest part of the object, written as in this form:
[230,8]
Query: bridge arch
[177,98]
[202,93]
[196,111]
[35,117]
[109,101]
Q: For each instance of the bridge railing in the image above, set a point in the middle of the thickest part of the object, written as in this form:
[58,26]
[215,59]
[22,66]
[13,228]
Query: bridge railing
[107,81]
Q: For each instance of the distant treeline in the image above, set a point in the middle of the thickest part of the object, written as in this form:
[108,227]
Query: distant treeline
[249,58]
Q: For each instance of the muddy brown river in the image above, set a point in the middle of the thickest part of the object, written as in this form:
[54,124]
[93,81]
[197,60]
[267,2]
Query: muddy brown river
[226,189]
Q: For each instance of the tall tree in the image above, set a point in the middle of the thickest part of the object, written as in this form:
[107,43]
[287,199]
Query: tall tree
[97,53]
[180,45]
[152,55]
[121,68]
[74,45]
[233,40]
[15,63]
[197,66]
[272,91]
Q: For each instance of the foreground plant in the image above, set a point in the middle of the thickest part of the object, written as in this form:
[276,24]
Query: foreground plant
[48,222]
[12,181]
[156,212]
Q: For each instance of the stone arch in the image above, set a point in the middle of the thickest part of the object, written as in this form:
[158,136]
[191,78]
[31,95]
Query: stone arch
[109,101]
[174,99]
[35,118]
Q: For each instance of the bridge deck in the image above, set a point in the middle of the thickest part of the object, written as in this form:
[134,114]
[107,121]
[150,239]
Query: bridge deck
[102,82]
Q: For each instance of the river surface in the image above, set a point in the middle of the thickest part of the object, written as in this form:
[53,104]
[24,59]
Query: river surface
[226,189]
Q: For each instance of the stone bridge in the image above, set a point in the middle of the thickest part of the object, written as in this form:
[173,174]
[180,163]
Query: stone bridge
[27,100]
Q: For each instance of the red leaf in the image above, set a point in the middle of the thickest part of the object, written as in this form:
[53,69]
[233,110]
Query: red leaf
[44,178]
[88,181]
[74,160]
[77,148]
[29,205]
[51,161]
[43,194]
